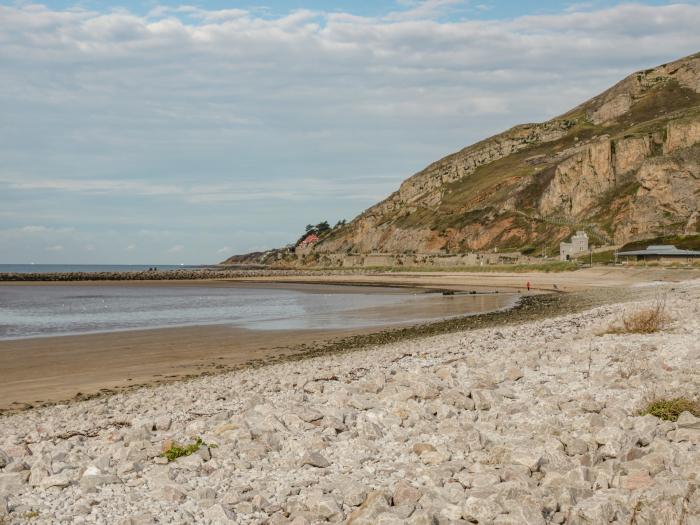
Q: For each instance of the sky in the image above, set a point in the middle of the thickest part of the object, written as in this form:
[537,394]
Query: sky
[167,132]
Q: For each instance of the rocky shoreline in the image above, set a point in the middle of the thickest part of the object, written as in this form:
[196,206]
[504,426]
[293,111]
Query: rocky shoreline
[532,423]
[167,275]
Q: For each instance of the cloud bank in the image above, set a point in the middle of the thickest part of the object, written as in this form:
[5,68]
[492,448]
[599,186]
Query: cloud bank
[235,129]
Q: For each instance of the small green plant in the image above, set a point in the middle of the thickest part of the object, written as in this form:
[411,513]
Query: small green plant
[32,514]
[176,451]
[670,409]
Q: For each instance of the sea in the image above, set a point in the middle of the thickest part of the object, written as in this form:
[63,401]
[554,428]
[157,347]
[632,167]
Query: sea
[46,309]
[87,268]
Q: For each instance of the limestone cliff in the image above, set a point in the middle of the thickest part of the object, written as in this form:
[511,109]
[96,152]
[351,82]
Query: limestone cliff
[624,165]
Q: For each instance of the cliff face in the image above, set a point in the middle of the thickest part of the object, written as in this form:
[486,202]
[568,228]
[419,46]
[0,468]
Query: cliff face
[624,165]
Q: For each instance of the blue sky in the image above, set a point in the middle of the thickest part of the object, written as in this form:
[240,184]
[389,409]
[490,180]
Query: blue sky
[166,132]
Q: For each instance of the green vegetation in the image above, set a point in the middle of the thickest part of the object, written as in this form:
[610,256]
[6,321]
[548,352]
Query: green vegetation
[176,451]
[670,409]
[684,242]
[319,228]
[606,257]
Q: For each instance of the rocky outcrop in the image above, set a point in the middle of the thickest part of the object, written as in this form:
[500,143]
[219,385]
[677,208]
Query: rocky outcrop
[668,185]
[682,133]
[631,152]
[669,191]
[580,180]
[426,185]
[615,107]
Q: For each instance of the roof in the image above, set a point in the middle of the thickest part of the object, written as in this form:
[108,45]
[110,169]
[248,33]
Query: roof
[311,238]
[662,249]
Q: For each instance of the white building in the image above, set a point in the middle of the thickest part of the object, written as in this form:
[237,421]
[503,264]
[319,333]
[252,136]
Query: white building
[577,246]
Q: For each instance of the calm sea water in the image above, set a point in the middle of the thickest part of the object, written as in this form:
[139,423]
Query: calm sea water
[89,268]
[47,310]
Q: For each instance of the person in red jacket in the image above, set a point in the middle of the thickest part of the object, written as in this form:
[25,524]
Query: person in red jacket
[528,286]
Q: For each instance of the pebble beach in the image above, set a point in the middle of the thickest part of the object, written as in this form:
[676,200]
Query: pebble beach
[534,423]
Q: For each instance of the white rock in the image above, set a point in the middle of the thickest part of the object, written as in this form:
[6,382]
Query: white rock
[374,505]
[163,423]
[529,456]
[57,480]
[220,515]
[5,459]
[315,459]
[688,420]
[324,506]
[480,510]
[12,482]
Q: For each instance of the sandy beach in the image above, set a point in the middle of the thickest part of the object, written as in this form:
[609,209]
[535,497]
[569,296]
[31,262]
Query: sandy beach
[578,280]
[43,370]
[567,281]
[40,371]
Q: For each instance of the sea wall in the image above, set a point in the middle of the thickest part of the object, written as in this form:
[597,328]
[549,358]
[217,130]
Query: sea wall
[168,275]
[370,260]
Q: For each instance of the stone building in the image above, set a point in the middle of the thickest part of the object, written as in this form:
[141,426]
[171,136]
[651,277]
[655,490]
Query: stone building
[577,246]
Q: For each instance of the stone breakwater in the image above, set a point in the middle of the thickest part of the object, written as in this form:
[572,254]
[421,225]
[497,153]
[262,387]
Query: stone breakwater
[529,424]
[167,275]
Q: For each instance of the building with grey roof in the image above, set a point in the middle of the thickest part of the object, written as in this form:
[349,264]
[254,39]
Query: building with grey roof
[661,253]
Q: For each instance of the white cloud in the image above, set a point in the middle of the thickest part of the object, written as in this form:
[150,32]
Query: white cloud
[293,190]
[33,229]
[187,117]
[130,248]
[176,249]
[137,187]
[36,231]
[225,249]
[54,248]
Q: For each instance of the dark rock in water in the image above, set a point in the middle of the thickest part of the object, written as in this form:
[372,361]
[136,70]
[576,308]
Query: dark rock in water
[164,275]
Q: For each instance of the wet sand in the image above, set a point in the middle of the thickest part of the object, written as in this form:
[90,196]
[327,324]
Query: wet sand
[44,370]
[541,282]
[55,369]
[50,369]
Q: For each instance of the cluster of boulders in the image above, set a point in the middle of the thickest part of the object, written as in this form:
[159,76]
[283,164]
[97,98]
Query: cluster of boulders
[521,425]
